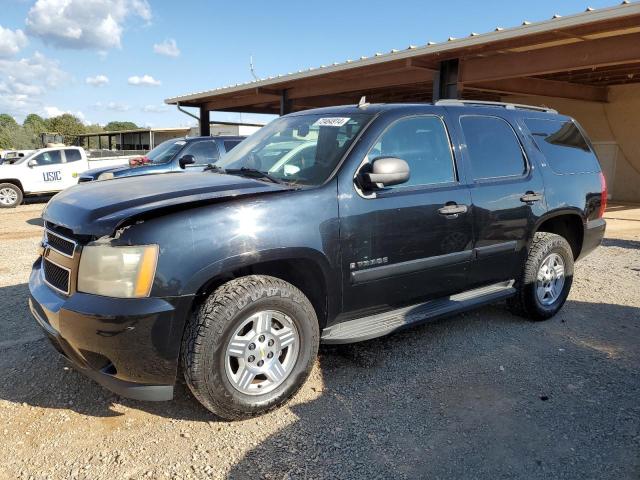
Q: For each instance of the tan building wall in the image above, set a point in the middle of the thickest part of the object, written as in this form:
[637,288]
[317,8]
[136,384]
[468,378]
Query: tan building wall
[608,124]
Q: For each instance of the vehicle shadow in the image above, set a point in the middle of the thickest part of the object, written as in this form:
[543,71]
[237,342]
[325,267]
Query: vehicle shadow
[37,199]
[424,402]
[618,242]
[480,395]
[36,222]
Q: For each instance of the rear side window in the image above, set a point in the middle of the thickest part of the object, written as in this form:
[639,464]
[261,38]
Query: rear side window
[494,149]
[563,145]
[205,152]
[229,144]
[424,144]
[72,155]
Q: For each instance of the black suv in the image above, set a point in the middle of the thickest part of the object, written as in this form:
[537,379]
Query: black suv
[333,225]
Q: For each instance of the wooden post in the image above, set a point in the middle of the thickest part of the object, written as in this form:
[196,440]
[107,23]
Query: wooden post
[445,83]
[285,104]
[205,129]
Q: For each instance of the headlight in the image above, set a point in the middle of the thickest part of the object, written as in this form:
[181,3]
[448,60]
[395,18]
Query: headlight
[105,176]
[124,272]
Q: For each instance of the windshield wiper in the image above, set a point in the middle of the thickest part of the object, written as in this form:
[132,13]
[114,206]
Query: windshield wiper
[253,173]
[214,168]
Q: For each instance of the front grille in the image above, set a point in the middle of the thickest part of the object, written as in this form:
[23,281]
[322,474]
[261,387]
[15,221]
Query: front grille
[56,276]
[60,244]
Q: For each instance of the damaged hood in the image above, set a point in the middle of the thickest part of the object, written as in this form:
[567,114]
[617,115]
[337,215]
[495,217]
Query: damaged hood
[97,208]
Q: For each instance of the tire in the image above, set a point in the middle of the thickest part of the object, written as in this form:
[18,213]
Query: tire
[208,365]
[527,302]
[10,195]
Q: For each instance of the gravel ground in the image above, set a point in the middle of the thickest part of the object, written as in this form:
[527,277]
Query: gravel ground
[480,395]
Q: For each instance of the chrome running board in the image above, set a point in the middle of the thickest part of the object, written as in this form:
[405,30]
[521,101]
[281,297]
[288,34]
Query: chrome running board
[373,326]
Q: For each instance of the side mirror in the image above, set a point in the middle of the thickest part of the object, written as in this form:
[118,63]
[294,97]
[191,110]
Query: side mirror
[32,163]
[387,171]
[187,160]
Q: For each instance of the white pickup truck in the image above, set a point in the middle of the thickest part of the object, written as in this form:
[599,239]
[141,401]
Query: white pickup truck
[48,170]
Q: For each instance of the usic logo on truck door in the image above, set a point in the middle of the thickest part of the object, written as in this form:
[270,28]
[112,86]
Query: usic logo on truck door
[52,176]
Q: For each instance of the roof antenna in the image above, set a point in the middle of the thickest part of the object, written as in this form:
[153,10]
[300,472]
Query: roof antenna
[253,72]
[363,102]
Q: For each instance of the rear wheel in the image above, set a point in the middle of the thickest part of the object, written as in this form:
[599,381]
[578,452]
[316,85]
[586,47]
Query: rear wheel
[10,195]
[546,278]
[250,347]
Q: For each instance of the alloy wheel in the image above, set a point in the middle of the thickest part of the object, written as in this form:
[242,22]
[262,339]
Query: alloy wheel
[550,279]
[262,352]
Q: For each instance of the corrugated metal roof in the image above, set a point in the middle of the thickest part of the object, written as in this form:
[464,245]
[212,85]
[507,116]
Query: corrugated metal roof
[590,15]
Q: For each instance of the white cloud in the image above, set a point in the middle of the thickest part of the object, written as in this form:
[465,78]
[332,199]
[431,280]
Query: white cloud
[11,42]
[154,108]
[169,48]
[84,24]
[113,106]
[49,112]
[144,80]
[52,112]
[23,83]
[97,81]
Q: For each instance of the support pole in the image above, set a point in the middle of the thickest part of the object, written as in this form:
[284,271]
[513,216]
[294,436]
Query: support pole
[445,82]
[205,129]
[286,105]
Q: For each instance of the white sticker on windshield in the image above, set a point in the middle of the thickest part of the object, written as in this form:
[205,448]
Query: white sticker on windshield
[180,142]
[331,122]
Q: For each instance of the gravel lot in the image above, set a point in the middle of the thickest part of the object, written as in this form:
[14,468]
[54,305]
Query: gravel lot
[480,395]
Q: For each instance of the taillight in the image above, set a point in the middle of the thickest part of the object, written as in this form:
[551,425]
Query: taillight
[603,195]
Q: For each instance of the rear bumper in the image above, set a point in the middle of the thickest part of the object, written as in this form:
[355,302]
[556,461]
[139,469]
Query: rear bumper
[593,235]
[129,346]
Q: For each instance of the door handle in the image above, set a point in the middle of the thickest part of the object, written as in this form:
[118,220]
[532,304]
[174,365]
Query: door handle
[531,197]
[452,210]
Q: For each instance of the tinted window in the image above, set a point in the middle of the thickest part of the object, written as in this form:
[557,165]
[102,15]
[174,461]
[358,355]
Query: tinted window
[205,152]
[493,147]
[48,158]
[229,144]
[72,155]
[563,145]
[423,143]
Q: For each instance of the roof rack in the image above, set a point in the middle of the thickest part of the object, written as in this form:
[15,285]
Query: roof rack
[508,106]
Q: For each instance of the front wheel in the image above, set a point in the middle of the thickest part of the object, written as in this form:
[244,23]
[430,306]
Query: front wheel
[250,346]
[546,278]
[10,195]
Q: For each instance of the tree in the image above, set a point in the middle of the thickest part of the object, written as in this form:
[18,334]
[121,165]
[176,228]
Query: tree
[14,136]
[35,122]
[66,124]
[7,120]
[116,126]
[93,128]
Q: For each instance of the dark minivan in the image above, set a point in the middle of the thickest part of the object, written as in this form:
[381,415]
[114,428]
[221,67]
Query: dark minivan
[333,225]
[175,155]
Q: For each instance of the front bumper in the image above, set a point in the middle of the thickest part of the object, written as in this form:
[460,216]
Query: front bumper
[129,346]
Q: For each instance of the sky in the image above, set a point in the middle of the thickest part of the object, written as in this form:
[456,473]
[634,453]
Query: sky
[105,60]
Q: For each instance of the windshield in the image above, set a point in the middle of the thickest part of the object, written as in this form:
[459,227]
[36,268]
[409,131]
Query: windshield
[17,158]
[165,151]
[302,149]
